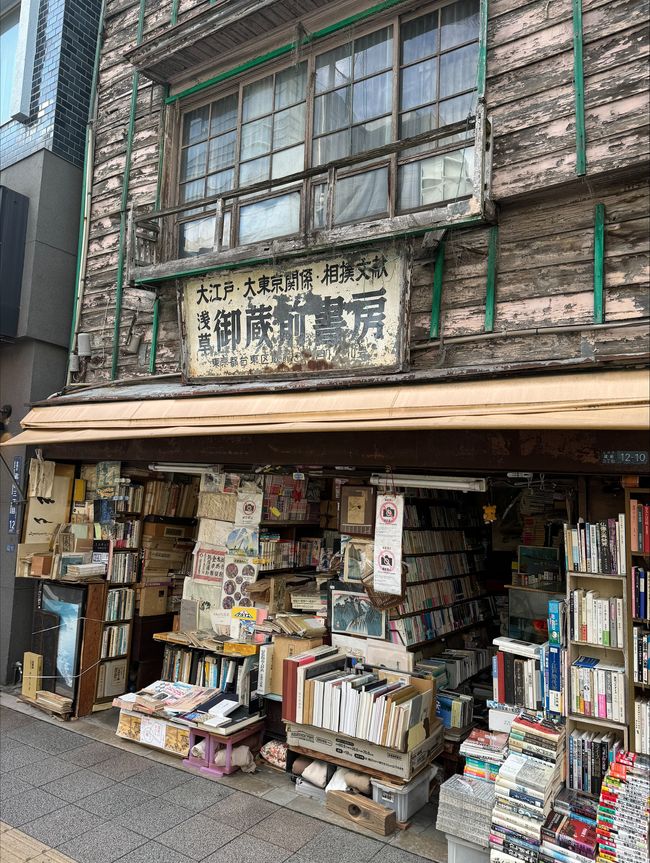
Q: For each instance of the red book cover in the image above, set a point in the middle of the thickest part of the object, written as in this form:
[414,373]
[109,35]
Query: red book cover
[646,527]
[501,678]
[571,833]
[289,685]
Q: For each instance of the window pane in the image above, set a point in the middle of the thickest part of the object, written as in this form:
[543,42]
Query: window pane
[361,196]
[420,83]
[254,172]
[373,53]
[455,110]
[256,137]
[319,206]
[196,237]
[221,182]
[376,133]
[195,125]
[289,127]
[275,217]
[222,151]
[290,86]
[416,122]
[372,97]
[331,147]
[193,161]
[458,70]
[192,191]
[332,111]
[288,162]
[226,227]
[224,115]
[437,179]
[258,98]
[334,68]
[419,38]
[459,23]
[9,25]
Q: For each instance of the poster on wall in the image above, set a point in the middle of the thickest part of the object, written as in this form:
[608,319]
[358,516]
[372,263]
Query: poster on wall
[340,314]
[387,554]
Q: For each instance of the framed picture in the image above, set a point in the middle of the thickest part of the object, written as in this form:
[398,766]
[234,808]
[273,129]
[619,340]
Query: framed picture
[357,510]
[67,603]
[352,613]
[357,558]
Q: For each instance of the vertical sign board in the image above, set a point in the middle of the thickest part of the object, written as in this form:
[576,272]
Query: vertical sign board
[14,499]
[341,315]
[388,543]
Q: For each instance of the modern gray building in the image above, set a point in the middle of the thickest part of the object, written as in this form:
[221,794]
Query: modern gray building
[47,54]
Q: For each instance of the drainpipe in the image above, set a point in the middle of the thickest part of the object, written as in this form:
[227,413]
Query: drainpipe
[86,192]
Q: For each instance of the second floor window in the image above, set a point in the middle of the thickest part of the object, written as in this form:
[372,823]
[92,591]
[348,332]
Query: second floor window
[412,76]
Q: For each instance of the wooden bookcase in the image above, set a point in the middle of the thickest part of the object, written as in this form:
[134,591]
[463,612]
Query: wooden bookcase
[634,558]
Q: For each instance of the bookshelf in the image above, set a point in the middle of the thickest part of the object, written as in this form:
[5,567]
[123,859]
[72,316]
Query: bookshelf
[638,623]
[597,609]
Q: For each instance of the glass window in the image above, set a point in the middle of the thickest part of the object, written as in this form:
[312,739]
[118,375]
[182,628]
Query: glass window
[435,180]
[274,217]
[9,24]
[361,196]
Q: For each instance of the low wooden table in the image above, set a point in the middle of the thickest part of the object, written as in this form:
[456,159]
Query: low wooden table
[252,734]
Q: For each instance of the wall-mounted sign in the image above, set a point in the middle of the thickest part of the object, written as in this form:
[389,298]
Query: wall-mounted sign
[338,314]
[629,457]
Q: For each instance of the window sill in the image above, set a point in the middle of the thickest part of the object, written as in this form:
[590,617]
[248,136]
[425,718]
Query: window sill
[456,213]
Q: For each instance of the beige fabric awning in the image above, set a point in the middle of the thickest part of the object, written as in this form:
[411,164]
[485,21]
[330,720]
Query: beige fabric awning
[592,401]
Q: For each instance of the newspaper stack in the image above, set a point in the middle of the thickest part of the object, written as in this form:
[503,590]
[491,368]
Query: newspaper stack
[465,809]
[527,783]
[624,810]
[484,753]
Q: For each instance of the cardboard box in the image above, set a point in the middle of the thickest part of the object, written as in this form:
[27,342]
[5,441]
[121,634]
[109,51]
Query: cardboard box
[167,531]
[283,647]
[32,674]
[364,755]
[153,600]
[41,564]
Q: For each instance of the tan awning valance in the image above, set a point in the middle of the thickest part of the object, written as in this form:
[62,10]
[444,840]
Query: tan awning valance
[592,401]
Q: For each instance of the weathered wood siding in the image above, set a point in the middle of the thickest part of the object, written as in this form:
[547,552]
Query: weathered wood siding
[545,269]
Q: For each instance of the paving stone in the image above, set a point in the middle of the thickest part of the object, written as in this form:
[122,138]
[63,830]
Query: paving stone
[76,785]
[12,783]
[17,756]
[154,852]
[50,738]
[158,779]
[288,829]
[28,806]
[11,720]
[47,770]
[248,849]
[113,801]
[94,753]
[241,810]
[154,817]
[388,854]
[198,793]
[198,837]
[342,846]
[104,844]
[121,765]
[61,825]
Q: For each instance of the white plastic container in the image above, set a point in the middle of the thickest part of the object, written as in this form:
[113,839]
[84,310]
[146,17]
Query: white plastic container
[404,800]
[462,851]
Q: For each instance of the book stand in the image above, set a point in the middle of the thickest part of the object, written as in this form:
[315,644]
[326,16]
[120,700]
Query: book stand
[251,736]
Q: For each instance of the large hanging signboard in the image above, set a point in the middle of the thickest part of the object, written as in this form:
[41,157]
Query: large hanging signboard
[337,315]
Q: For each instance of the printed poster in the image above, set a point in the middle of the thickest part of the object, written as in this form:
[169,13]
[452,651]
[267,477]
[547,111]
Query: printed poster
[388,543]
[249,509]
[209,563]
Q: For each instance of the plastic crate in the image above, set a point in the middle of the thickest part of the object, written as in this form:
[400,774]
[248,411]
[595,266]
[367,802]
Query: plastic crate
[406,800]
[462,851]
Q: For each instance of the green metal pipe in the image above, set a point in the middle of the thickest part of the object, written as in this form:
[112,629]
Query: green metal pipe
[579,87]
[174,14]
[249,262]
[154,335]
[119,287]
[285,49]
[490,292]
[436,294]
[88,155]
[481,75]
[599,264]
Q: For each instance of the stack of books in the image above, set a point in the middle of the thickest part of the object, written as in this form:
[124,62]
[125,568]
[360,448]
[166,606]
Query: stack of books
[454,710]
[465,809]
[590,754]
[598,689]
[640,606]
[484,753]
[518,673]
[85,572]
[596,547]
[624,810]
[456,666]
[641,654]
[639,526]
[526,786]
[596,621]
[572,803]
[642,724]
[567,837]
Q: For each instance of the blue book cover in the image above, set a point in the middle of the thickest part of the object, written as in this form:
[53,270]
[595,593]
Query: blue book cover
[556,613]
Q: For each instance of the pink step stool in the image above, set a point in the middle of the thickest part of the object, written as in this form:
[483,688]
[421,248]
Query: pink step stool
[251,736]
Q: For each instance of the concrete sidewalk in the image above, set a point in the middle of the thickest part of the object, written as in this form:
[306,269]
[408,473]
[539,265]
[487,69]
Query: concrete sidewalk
[96,802]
